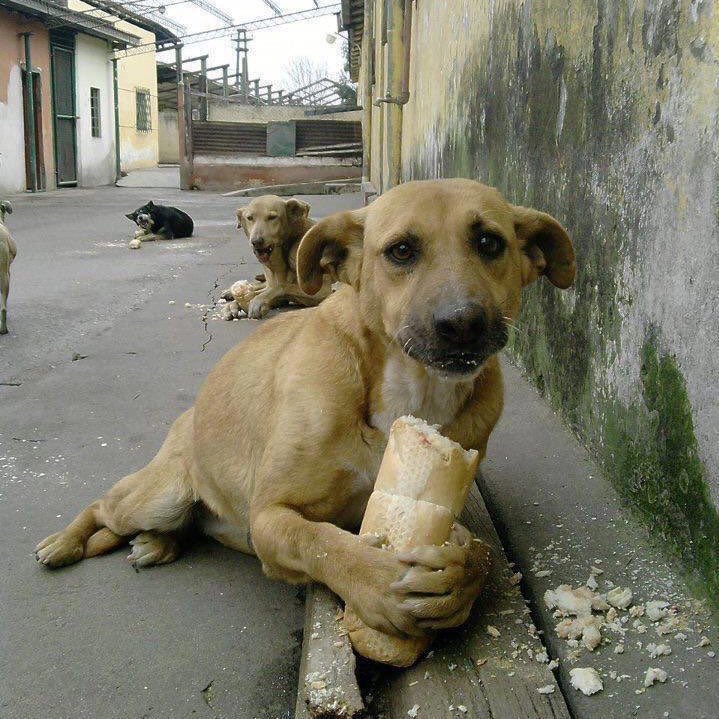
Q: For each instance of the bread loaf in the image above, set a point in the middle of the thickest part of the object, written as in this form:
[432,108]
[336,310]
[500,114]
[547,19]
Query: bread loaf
[421,487]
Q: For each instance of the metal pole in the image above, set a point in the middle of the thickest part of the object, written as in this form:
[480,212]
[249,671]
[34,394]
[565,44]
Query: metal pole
[185,172]
[224,82]
[116,102]
[245,71]
[204,101]
[29,89]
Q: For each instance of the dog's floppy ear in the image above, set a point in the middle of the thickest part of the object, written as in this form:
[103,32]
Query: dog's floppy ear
[333,245]
[241,218]
[296,209]
[545,246]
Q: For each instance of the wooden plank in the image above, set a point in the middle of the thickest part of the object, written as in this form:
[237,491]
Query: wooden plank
[469,673]
[328,686]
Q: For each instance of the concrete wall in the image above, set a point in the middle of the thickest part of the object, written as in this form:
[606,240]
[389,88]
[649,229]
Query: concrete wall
[138,149]
[169,137]
[12,137]
[604,114]
[95,155]
[219,111]
[225,173]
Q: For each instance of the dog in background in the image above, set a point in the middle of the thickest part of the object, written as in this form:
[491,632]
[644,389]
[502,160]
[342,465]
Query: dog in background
[8,250]
[274,228]
[279,454]
[159,222]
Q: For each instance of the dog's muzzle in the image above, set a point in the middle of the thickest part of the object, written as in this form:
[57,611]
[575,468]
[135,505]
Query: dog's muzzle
[457,342]
[144,221]
[263,254]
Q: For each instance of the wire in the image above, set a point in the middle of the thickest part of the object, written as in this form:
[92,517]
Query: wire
[259,24]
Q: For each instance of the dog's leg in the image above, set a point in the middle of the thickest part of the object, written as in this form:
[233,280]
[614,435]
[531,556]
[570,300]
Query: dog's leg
[294,294]
[155,504]
[265,301]
[434,587]
[4,291]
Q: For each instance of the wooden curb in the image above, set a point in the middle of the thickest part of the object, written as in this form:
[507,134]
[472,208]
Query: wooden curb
[328,686]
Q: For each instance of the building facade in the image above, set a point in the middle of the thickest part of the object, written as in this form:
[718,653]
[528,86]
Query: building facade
[136,87]
[59,128]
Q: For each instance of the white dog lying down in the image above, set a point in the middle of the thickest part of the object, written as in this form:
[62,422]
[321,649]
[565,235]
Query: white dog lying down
[8,250]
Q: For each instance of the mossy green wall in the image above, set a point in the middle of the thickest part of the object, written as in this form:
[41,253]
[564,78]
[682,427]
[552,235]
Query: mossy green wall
[605,115]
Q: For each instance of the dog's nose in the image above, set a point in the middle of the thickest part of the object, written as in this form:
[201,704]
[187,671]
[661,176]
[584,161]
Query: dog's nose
[460,326]
[258,242]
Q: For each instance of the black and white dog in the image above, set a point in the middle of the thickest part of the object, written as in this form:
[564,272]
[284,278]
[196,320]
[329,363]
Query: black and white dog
[159,222]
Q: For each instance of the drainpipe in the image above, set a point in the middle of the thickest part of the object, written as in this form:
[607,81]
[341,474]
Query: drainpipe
[367,63]
[116,102]
[30,100]
[399,36]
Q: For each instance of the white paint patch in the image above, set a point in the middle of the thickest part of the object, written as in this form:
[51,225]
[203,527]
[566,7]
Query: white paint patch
[95,155]
[12,143]
[562,110]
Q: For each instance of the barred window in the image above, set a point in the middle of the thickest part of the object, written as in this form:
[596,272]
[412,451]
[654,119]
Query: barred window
[95,111]
[142,106]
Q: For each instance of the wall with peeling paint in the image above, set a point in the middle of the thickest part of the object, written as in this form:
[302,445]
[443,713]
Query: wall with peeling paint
[12,134]
[604,114]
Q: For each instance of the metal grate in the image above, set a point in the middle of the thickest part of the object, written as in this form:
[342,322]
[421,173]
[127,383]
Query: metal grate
[229,138]
[142,110]
[95,111]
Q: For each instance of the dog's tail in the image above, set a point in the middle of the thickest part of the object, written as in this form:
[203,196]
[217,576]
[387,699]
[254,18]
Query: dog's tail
[5,209]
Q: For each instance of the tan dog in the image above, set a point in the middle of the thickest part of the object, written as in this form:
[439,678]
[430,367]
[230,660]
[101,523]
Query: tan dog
[279,454]
[274,228]
[8,251]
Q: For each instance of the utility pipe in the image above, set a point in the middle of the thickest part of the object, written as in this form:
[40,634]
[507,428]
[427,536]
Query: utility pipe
[116,103]
[30,98]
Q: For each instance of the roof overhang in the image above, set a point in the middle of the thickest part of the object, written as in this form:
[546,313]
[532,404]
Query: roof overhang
[62,17]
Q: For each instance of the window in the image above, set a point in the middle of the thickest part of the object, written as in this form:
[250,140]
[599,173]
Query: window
[142,107]
[95,111]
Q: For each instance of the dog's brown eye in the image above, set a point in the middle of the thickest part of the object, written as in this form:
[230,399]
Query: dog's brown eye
[249,218]
[488,245]
[402,253]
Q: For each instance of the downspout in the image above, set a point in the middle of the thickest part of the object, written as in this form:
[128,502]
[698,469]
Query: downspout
[30,99]
[116,102]
[399,34]
[366,64]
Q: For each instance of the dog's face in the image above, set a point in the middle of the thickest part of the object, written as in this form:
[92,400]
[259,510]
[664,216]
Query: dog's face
[269,221]
[439,266]
[5,209]
[142,216]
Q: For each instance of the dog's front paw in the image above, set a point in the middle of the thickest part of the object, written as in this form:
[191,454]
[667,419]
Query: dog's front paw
[258,308]
[442,583]
[150,548]
[135,243]
[231,311]
[58,550]
[140,233]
